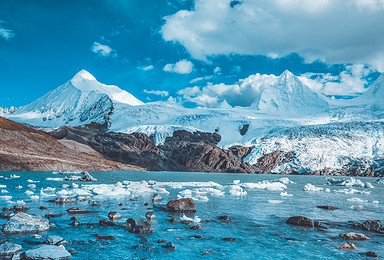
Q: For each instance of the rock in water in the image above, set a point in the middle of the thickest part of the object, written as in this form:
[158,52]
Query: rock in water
[300,221]
[182,205]
[156,198]
[327,207]
[353,236]
[25,223]
[47,252]
[347,246]
[129,224]
[371,225]
[54,240]
[114,216]
[87,177]
[10,250]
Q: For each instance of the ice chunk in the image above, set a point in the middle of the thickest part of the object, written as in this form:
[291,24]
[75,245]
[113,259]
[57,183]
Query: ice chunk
[31,186]
[3,186]
[275,201]
[357,200]
[369,185]
[285,194]
[265,185]
[350,182]
[312,188]
[5,197]
[236,190]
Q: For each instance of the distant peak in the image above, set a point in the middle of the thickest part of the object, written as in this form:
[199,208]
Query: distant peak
[287,74]
[83,74]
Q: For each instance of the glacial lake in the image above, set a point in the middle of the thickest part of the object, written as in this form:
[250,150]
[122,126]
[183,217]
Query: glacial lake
[258,206]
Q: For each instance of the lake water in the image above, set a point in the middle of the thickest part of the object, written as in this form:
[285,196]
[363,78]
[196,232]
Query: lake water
[258,217]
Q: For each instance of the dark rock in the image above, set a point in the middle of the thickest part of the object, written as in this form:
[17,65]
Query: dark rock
[225,217]
[54,215]
[150,216]
[353,236]
[197,237]
[87,177]
[33,242]
[7,214]
[371,225]
[103,223]
[300,221]
[98,236]
[318,224]
[146,204]
[187,222]
[172,220]
[129,224]
[25,223]
[42,208]
[10,250]
[114,216]
[75,224]
[161,241]
[156,198]
[231,239]
[370,254]
[18,208]
[76,210]
[74,218]
[73,252]
[197,227]
[7,209]
[347,246]
[64,243]
[327,207]
[181,205]
[169,246]
[142,228]
[95,203]
[47,252]
[62,201]
[121,204]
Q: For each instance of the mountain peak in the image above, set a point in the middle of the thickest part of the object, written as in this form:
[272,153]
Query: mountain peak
[84,75]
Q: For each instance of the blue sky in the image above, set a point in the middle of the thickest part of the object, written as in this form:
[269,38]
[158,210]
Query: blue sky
[157,49]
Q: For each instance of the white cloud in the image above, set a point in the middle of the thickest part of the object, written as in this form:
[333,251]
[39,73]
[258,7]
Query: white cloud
[333,31]
[240,94]
[103,50]
[6,33]
[161,93]
[181,67]
[350,82]
[217,70]
[149,67]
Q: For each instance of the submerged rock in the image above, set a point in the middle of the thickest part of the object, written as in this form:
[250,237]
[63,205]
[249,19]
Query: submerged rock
[347,246]
[169,246]
[76,210]
[10,250]
[25,223]
[181,205]
[370,254]
[156,198]
[129,224]
[142,228]
[225,217]
[353,236]
[231,239]
[48,252]
[327,207]
[371,225]
[114,216]
[62,201]
[300,221]
[98,236]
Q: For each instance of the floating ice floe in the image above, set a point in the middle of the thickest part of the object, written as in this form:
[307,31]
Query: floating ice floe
[49,190]
[312,188]
[284,180]
[275,201]
[4,191]
[31,186]
[14,176]
[32,181]
[5,197]
[368,185]
[54,179]
[350,182]
[380,181]
[28,192]
[375,202]
[236,181]
[19,187]
[285,194]
[357,200]
[265,185]
[34,197]
[236,190]
[352,191]
[3,186]
[358,207]
[196,219]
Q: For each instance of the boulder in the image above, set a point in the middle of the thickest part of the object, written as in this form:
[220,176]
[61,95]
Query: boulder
[129,224]
[114,216]
[225,217]
[300,221]
[156,198]
[169,246]
[25,223]
[347,246]
[48,252]
[181,205]
[87,177]
[7,214]
[76,210]
[53,240]
[9,250]
[150,216]
[142,228]
[353,236]
[370,254]
[371,225]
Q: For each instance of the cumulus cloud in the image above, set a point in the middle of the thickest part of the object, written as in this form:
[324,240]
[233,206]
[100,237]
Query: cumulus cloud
[6,33]
[351,82]
[242,93]
[103,50]
[329,30]
[161,93]
[181,67]
[149,67]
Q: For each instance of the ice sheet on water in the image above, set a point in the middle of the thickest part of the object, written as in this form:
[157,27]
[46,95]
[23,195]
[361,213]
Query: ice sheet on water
[349,182]
[236,190]
[265,185]
[357,200]
[352,191]
[195,219]
[285,194]
[312,188]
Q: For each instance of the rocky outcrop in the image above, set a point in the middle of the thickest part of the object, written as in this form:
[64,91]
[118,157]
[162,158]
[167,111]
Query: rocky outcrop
[300,221]
[47,252]
[25,223]
[25,149]
[10,250]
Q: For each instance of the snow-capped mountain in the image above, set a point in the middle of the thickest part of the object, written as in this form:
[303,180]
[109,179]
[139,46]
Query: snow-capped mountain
[79,101]
[290,96]
[287,116]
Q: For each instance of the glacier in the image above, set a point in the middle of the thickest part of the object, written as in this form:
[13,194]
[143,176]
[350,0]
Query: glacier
[287,116]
